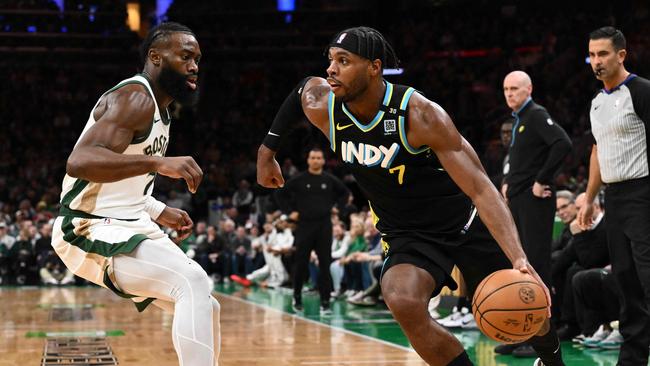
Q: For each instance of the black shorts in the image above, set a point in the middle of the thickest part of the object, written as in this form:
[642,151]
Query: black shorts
[475,253]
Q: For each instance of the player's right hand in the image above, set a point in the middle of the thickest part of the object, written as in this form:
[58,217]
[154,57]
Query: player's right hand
[182,167]
[524,266]
[269,174]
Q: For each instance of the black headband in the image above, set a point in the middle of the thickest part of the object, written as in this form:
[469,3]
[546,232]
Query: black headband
[361,42]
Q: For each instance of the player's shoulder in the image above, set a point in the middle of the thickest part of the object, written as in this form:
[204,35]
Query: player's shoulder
[317,86]
[134,97]
[425,110]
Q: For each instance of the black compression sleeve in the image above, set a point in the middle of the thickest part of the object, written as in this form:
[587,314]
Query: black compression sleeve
[288,115]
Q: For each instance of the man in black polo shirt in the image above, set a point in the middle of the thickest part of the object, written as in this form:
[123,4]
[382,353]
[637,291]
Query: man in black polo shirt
[620,114]
[308,198]
[537,149]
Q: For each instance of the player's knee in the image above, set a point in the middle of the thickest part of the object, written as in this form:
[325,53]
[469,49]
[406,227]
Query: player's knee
[404,306]
[197,278]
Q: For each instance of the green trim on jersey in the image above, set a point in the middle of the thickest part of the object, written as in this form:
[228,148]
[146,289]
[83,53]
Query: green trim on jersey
[402,128]
[77,187]
[98,246]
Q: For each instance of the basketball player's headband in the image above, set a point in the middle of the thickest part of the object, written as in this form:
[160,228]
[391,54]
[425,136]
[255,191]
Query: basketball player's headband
[362,42]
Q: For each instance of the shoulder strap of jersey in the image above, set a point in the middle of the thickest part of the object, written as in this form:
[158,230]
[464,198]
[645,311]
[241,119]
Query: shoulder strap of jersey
[394,104]
[402,108]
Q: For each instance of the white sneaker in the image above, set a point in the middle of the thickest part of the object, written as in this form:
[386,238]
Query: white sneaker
[433,305]
[613,341]
[579,338]
[468,322]
[455,314]
[358,295]
[538,362]
[594,341]
[457,321]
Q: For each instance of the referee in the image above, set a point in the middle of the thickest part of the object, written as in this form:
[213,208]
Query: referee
[620,118]
[538,147]
[309,197]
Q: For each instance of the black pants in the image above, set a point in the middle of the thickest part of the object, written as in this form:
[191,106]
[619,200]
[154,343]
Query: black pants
[627,205]
[317,236]
[563,285]
[534,220]
[596,298]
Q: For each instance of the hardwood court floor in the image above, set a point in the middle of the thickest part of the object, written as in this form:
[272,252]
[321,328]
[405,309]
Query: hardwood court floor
[258,328]
[251,334]
[376,322]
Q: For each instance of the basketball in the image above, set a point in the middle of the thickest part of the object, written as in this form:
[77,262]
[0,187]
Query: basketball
[509,306]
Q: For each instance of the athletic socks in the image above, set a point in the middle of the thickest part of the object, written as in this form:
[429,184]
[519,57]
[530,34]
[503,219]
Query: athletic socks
[548,348]
[461,360]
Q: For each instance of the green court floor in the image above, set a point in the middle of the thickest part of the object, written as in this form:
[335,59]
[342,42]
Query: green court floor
[377,322]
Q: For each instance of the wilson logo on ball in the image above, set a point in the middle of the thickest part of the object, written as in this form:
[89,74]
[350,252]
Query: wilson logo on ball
[527,295]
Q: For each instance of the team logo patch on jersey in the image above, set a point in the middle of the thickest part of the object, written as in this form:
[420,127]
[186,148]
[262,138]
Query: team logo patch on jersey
[549,121]
[389,126]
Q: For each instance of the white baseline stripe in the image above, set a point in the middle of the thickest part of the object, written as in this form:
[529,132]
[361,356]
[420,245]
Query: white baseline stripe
[317,323]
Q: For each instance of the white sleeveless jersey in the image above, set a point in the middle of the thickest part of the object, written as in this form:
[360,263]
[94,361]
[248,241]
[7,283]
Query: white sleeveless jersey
[124,199]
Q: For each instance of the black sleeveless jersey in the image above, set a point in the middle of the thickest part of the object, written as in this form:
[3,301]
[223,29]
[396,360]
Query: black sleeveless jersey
[408,190]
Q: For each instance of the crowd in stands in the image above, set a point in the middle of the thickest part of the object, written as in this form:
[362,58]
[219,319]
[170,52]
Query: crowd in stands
[44,103]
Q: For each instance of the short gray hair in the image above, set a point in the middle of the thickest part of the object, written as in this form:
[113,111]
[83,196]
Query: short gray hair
[566,194]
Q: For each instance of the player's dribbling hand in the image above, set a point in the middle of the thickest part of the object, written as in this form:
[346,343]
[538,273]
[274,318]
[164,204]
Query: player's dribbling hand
[183,167]
[525,267]
[178,220]
[269,174]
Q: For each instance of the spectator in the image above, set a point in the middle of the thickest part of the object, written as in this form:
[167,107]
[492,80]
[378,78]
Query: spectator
[241,248]
[242,200]
[587,249]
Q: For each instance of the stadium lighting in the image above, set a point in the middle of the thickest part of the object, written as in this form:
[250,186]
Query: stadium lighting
[399,71]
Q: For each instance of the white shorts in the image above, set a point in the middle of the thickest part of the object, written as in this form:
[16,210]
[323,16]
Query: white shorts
[87,246]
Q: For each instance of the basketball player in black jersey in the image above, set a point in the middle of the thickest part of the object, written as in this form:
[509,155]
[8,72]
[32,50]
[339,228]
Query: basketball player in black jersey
[424,182]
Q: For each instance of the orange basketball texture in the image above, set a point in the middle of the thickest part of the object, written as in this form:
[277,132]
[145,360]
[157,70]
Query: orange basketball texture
[509,306]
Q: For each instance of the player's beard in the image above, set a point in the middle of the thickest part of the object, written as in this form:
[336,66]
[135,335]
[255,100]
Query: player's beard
[175,84]
[354,90]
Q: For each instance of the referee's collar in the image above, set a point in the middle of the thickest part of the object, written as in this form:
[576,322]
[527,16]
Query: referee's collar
[526,103]
[627,80]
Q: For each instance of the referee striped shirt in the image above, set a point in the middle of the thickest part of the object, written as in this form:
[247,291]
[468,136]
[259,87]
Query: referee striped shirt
[619,123]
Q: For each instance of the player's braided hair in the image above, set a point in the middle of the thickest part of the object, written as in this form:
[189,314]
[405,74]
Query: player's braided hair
[161,32]
[368,43]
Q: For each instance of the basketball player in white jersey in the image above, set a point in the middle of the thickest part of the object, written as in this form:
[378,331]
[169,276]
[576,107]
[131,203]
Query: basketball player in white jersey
[106,232]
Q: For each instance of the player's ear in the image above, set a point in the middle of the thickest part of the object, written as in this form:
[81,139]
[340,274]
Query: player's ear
[155,56]
[375,67]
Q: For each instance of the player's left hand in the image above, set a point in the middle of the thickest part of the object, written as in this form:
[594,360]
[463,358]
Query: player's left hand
[178,220]
[542,190]
[523,266]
